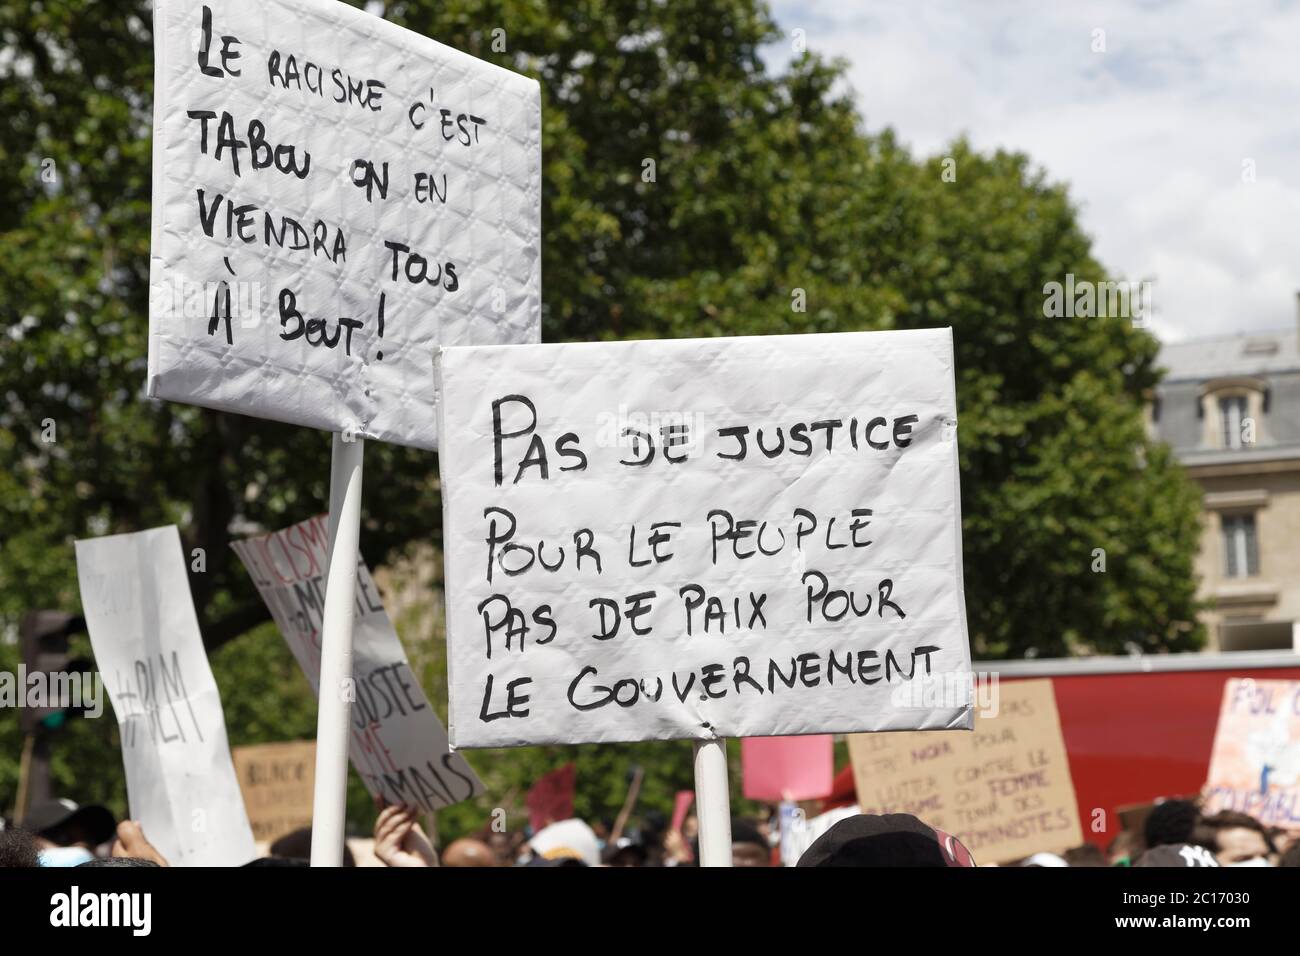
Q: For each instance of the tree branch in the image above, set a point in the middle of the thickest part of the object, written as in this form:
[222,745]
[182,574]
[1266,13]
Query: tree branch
[230,626]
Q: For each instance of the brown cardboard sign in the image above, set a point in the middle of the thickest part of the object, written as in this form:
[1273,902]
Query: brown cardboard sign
[1004,789]
[277,781]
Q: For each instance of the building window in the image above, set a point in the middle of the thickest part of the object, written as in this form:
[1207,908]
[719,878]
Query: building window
[1240,547]
[1232,415]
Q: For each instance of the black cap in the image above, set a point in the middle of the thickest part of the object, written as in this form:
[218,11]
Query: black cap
[626,852]
[1177,854]
[96,821]
[557,861]
[890,839]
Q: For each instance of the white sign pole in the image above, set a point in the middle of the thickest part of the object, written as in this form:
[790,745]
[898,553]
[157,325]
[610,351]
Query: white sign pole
[713,799]
[329,804]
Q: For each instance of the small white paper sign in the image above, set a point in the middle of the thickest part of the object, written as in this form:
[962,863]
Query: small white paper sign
[397,743]
[333,198]
[703,538]
[180,780]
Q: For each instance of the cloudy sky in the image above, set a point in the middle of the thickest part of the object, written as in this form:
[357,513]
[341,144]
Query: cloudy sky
[1152,134]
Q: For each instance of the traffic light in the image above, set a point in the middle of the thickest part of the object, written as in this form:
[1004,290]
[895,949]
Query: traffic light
[43,639]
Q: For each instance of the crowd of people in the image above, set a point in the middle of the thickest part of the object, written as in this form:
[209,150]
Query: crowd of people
[59,833]
[1178,833]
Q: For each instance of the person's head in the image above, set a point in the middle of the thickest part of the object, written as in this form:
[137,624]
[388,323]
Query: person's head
[278,862]
[297,846]
[748,845]
[1281,839]
[1171,821]
[1084,855]
[119,861]
[1125,848]
[468,852]
[1290,856]
[890,839]
[654,827]
[690,828]
[1176,855]
[1238,839]
[571,840]
[627,853]
[504,844]
[62,823]
[18,849]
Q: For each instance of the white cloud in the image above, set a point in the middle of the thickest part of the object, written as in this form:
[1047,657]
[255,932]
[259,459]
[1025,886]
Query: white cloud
[1150,134]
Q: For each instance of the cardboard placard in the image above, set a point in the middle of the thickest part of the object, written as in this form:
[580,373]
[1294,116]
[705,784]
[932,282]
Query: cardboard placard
[1004,791]
[278,782]
[701,538]
[776,769]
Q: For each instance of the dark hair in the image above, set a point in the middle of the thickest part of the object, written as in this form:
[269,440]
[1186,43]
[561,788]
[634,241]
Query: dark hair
[1292,855]
[278,861]
[1128,842]
[1232,820]
[18,850]
[1084,855]
[742,831]
[118,861]
[889,839]
[297,846]
[654,825]
[630,854]
[1172,821]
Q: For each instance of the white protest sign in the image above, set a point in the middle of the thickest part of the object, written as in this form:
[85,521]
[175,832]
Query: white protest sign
[333,197]
[702,538]
[397,743]
[180,780]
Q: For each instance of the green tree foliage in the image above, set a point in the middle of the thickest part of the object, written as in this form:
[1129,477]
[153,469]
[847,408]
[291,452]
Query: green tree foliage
[1055,462]
[689,190]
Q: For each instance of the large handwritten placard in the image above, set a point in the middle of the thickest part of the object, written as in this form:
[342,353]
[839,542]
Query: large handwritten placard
[397,743]
[180,782]
[1255,763]
[333,197]
[700,538]
[1005,791]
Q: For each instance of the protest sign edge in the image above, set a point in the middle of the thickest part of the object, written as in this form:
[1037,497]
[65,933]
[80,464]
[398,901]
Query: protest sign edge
[156,209]
[439,358]
[957,528]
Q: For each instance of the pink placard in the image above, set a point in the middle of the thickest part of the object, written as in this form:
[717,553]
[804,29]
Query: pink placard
[550,799]
[787,768]
[680,806]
